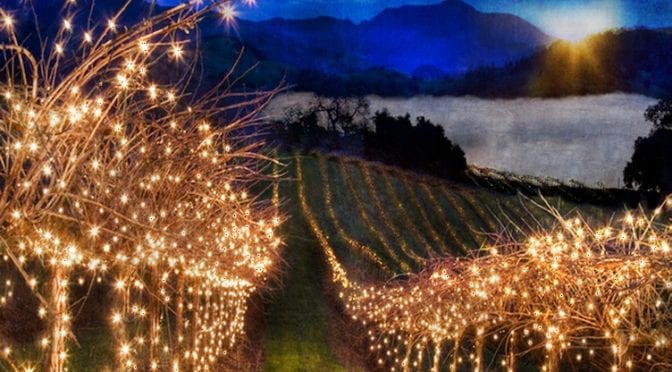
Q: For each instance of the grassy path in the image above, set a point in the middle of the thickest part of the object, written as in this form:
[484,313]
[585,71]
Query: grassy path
[297,320]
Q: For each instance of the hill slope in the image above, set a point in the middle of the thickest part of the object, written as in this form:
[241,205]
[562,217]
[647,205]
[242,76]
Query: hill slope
[450,37]
[630,61]
[381,222]
[386,221]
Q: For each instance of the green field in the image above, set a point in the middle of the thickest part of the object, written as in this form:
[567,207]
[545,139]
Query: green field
[381,222]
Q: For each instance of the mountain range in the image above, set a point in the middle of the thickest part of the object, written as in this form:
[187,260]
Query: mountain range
[448,48]
[426,41]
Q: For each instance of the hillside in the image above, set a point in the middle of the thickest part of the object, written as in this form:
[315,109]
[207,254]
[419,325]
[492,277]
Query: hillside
[630,61]
[448,48]
[410,218]
[381,222]
[452,37]
[448,38]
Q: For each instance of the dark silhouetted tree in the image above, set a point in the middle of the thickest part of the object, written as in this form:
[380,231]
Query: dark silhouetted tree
[650,168]
[343,115]
[327,123]
[660,114]
[423,147]
[300,129]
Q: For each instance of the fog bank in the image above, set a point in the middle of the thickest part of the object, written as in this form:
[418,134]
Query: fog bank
[589,139]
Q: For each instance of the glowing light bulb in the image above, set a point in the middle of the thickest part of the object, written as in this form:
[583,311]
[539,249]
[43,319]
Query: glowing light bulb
[228,13]
[7,21]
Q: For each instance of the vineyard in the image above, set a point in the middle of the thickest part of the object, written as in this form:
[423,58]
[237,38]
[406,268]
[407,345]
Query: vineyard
[381,222]
[146,225]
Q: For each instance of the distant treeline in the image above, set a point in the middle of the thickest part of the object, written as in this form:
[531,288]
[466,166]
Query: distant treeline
[345,126]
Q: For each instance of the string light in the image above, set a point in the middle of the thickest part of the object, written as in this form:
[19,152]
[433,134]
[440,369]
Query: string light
[228,12]
[572,291]
[7,21]
[105,184]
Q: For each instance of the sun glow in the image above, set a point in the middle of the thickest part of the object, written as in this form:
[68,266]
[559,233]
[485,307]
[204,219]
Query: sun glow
[576,24]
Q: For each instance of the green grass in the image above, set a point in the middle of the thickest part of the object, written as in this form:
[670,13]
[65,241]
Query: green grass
[95,351]
[297,332]
[397,214]
[92,352]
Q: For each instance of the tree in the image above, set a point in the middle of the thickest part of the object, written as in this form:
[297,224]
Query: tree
[423,146]
[660,114]
[300,129]
[343,114]
[114,172]
[650,168]
[329,123]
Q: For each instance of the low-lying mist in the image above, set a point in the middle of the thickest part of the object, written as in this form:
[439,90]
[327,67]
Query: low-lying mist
[588,139]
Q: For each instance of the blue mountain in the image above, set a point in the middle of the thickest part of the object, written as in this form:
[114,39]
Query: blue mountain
[428,41]
[447,38]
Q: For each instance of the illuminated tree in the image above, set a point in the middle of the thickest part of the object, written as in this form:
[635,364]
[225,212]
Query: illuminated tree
[112,169]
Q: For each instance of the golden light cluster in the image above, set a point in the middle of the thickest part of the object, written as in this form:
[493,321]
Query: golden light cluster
[113,175]
[570,298]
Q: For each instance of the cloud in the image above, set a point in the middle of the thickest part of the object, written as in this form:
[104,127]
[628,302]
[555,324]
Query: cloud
[588,139]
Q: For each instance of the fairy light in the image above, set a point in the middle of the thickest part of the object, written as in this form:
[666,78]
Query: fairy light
[107,213]
[152,91]
[7,21]
[228,12]
[354,245]
[176,51]
[370,225]
[566,293]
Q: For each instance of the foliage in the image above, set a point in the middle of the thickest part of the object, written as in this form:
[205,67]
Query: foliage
[343,124]
[650,168]
[660,114]
[510,183]
[325,124]
[422,147]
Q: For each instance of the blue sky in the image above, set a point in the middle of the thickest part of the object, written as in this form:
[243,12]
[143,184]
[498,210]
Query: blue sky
[558,17]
